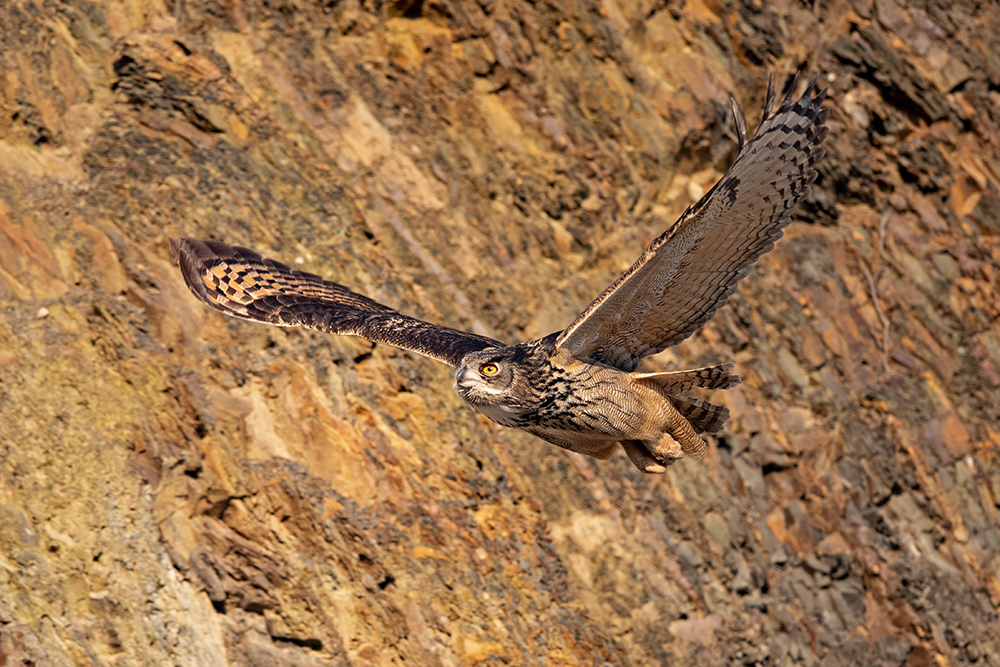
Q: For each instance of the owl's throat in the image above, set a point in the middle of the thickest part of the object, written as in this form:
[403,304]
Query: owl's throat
[503,414]
[491,401]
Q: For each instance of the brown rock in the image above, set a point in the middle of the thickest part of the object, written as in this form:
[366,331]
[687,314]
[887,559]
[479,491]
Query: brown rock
[181,488]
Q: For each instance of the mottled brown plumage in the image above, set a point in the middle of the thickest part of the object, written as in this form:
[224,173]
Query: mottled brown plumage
[577,388]
[241,283]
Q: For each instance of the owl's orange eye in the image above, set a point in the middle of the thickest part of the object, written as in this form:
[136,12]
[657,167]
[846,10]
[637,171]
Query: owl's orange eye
[488,369]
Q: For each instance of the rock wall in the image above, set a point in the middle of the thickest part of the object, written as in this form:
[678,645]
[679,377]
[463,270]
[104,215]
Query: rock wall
[181,488]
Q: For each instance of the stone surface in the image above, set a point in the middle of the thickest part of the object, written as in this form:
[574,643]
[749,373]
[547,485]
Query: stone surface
[181,488]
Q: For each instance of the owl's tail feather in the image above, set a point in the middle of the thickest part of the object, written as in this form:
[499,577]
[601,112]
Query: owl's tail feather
[705,417]
[720,376]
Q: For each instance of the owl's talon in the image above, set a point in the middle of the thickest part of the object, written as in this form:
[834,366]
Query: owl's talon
[642,459]
[666,449]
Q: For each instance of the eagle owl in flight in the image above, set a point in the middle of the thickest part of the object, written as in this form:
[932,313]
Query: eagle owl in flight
[577,388]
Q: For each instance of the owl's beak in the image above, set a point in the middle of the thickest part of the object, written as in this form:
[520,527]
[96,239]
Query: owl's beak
[463,378]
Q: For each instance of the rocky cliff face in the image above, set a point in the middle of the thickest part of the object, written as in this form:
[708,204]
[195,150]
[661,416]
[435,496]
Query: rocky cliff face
[181,488]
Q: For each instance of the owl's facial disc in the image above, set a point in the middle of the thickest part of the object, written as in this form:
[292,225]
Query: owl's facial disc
[482,379]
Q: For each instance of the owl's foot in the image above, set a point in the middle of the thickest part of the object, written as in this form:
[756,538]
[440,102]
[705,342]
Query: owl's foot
[653,456]
[665,448]
[680,436]
[642,459]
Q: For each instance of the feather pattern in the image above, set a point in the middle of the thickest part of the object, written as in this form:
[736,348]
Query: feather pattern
[689,272]
[241,283]
[720,376]
[705,417]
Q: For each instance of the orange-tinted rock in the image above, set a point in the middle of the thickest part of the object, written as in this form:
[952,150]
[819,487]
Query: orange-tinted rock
[181,488]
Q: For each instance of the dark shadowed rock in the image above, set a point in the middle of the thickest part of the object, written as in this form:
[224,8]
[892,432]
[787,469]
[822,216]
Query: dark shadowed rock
[181,488]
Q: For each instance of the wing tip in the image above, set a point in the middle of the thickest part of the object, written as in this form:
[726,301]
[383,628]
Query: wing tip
[741,124]
[176,245]
[185,251]
[786,103]
[808,105]
[197,251]
[769,100]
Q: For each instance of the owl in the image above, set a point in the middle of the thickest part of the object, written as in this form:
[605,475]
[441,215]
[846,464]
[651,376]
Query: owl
[578,388]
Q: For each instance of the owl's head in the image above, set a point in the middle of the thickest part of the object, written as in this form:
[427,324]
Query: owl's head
[486,376]
[493,381]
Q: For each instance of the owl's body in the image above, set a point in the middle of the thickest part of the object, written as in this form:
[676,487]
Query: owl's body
[577,388]
[590,407]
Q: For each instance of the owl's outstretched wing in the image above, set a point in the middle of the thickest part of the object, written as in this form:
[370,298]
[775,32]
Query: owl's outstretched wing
[689,271]
[241,283]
